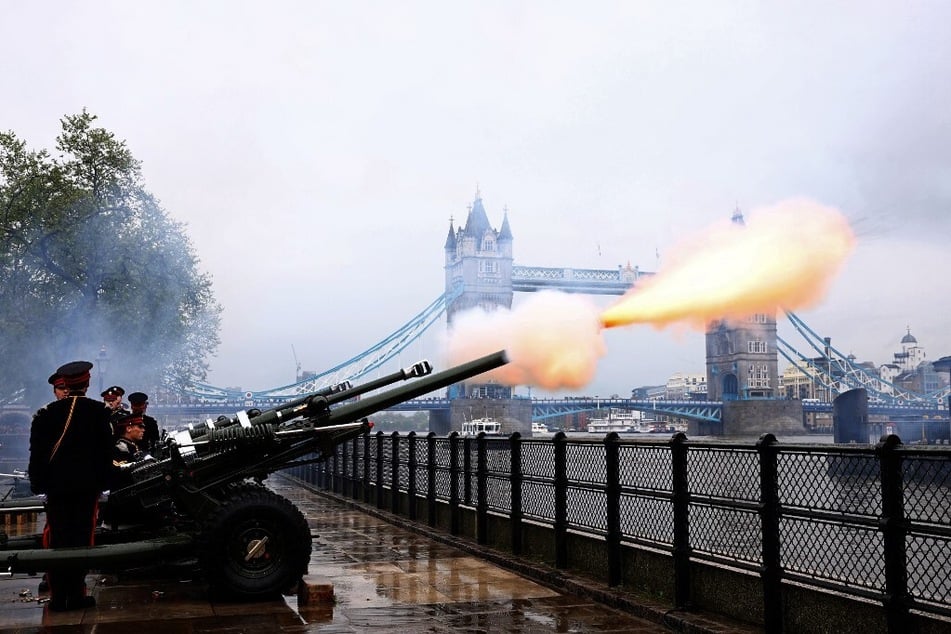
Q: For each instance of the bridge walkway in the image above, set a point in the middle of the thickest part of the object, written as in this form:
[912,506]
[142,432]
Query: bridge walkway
[385,577]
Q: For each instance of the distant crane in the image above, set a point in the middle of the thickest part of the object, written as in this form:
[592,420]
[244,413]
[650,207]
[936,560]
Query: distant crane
[297,363]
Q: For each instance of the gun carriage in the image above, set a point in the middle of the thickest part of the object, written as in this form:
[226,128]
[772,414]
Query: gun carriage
[202,498]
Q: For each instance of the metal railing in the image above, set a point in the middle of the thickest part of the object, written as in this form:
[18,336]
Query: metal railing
[871,522]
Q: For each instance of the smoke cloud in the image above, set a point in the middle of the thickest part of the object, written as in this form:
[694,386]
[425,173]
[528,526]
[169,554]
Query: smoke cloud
[553,340]
[784,257]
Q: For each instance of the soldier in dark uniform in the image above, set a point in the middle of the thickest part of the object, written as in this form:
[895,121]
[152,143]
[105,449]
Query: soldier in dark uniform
[59,386]
[139,402]
[112,397]
[60,391]
[125,451]
[126,448]
[71,462]
[127,444]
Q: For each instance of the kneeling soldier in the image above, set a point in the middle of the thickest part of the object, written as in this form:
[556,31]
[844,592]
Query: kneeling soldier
[139,402]
[131,431]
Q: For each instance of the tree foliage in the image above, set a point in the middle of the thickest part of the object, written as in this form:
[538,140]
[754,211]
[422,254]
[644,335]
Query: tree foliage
[90,261]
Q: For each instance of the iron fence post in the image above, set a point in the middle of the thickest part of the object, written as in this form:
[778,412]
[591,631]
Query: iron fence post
[431,478]
[894,530]
[769,511]
[355,469]
[467,470]
[680,498]
[515,444]
[366,468]
[351,470]
[379,469]
[482,489]
[454,483]
[612,489]
[395,473]
[561,499]
[345,469]
[334,473]
[411,467]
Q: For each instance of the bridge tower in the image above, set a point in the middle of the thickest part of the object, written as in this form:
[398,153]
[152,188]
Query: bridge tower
[743,372]
[742,360]
[479,259]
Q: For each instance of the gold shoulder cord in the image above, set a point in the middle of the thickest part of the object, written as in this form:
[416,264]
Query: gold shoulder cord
[65,427]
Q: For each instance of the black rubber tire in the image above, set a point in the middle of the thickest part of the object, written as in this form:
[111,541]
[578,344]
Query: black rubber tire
[251,514]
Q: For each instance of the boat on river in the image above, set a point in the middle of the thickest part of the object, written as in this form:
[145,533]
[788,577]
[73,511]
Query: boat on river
[474,427]
[539,429]
[619,421]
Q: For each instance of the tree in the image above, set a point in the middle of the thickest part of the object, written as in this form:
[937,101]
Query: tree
[88,258]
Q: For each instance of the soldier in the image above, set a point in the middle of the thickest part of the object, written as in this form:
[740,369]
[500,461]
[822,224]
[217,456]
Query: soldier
[126,449]
[112,396]
[59,386]
[59,392]
[132,430]
[139,402]
[70,461]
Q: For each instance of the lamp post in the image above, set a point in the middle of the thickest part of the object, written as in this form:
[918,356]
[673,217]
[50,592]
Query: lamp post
[101,361]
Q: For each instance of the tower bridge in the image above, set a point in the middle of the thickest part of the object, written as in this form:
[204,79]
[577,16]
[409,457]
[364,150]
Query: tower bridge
[741,359]
[480,271]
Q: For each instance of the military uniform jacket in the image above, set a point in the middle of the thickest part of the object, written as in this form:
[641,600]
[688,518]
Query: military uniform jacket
[151,437]
[123,451]
[83,461]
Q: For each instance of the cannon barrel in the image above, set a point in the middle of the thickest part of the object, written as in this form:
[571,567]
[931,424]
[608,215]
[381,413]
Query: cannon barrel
[312,403]
[319,402]
[336,388]
[286,411]
[344,419]
[422,368]
[349,412]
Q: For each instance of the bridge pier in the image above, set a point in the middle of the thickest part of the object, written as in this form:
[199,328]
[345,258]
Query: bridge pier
[439,422]
[755,417]
[850,416]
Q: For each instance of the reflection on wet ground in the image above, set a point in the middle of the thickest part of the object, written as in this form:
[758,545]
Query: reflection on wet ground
[384,579]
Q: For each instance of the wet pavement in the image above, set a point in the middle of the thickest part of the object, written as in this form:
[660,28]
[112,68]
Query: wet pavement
[384,578]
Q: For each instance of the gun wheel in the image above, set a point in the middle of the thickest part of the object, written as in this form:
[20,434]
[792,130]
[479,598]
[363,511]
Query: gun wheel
[256,545]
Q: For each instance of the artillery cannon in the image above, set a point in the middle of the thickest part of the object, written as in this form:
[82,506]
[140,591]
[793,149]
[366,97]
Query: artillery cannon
[202,498]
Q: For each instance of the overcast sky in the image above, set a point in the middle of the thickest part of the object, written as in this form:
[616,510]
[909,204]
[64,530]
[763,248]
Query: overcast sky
[316,150]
